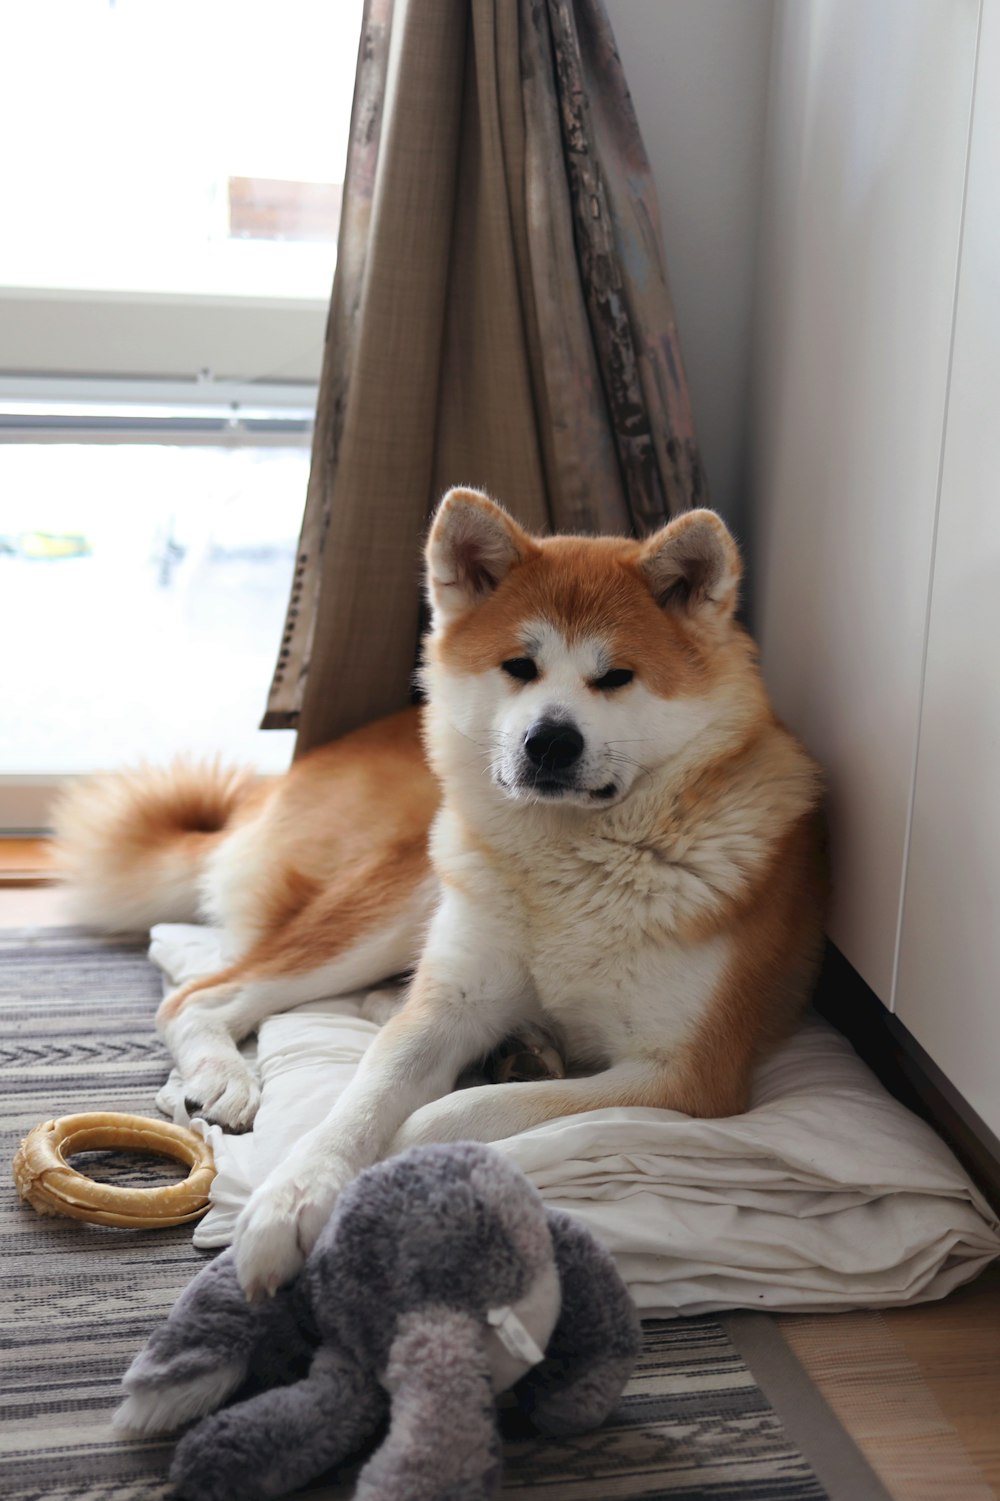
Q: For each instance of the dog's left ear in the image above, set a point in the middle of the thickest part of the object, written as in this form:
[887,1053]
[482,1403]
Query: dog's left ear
[693,567]
[472,547]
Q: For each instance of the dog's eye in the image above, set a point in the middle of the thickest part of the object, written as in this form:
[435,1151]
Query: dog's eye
[522,668]
[617,677]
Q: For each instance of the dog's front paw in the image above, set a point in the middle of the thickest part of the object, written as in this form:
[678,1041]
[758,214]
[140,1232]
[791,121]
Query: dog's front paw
[224,1094]
[277,1230]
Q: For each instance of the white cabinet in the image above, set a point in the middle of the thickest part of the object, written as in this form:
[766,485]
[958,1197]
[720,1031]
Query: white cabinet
[948,984]
[877,488]
[866,156]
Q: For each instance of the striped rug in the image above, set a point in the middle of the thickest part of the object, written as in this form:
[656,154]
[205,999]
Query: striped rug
[76,1034]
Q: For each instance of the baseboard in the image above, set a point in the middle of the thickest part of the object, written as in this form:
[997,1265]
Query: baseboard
[906,1070]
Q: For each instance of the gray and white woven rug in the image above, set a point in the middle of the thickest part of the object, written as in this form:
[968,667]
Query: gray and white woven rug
[716,1411]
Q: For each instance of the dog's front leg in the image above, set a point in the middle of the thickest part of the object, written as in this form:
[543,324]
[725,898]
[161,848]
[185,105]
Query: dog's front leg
[469,991]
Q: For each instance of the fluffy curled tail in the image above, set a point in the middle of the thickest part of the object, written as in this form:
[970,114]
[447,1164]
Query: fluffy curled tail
[132,844]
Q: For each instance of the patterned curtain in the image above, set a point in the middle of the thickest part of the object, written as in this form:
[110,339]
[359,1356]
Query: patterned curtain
[500,318]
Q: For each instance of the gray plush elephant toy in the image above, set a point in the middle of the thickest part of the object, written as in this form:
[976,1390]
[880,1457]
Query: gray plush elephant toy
[439,1280]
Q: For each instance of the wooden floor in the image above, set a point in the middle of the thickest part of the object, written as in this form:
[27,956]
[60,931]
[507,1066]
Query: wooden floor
[918,1389]
[28,895]
[24,860]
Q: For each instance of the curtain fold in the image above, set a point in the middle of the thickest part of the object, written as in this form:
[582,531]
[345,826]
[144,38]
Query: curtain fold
[500,317]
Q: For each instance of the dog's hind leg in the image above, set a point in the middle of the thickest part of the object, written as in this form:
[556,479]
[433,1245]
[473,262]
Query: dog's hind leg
[492,1112]
[324,951]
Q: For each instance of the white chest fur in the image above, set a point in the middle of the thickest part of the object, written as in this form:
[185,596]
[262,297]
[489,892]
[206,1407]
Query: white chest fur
[596,914]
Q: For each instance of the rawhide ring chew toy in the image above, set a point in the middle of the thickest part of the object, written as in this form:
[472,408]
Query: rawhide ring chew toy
[45,1179]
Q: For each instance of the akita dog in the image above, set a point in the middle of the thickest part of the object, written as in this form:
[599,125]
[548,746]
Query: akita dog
[624,847]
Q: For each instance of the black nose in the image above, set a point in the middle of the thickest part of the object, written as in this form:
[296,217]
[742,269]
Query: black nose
[553,746]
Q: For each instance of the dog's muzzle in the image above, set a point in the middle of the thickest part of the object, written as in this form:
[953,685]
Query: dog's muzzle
[553,746]
[551,762]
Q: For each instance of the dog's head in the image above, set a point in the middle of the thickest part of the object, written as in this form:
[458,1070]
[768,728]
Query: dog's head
[566,668]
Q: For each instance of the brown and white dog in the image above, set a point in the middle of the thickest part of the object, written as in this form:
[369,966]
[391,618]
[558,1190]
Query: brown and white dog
[625,846]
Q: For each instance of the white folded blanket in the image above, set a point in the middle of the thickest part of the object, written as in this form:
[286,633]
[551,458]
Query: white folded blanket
[826,1194]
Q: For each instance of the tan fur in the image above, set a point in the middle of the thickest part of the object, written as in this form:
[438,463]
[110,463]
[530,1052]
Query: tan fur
[670,937]
[132,845]
[345,831]
[779,937]
[328,852]
[583,584]
[774,922]
[306,925]
[334,839]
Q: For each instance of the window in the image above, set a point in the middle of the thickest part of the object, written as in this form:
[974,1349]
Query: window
[170,223]
[142,592]
[173,200]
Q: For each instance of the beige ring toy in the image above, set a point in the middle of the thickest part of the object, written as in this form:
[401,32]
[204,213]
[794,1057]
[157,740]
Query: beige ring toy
[45,1179]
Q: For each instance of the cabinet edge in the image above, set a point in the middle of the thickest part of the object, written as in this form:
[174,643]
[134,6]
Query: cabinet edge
[907,1071]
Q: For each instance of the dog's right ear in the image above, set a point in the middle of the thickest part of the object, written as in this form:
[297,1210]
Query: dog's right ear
[472,546]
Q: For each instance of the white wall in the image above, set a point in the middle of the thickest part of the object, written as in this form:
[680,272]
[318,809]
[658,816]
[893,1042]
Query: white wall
[698,71]
[949,955]
[866,161]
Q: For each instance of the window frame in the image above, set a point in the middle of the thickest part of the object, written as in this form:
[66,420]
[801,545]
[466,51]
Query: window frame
[80,334]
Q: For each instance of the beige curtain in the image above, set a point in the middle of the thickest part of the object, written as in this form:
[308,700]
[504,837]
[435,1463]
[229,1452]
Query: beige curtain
[500,318]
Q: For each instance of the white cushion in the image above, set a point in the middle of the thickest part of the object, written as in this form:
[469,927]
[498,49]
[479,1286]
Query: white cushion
[826,1194]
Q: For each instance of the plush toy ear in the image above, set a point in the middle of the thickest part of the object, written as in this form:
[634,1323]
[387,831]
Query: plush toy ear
[693,567]
[472,546]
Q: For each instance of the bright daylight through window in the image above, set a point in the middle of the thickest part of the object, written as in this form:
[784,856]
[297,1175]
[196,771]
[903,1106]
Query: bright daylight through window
[165,269]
